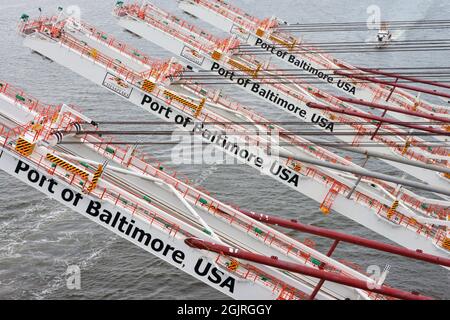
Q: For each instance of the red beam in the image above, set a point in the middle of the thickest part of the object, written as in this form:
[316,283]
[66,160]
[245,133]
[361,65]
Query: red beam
[298,268]
[322,265]
[323,232]
[373,117]
[413,79]
[390,83]
[394,109]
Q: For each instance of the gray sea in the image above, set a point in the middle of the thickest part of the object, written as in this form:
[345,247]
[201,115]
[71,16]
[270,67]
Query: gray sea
[39,239]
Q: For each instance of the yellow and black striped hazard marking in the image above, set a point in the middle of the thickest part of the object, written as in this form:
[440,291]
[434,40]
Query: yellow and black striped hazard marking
[24,147]
[233,265]
[241,66]
[67,166]
[148,86]
[393,209]
[97,176]
[181,100]
[280,41]
[446,243]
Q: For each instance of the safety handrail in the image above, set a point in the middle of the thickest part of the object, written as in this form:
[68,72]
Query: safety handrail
[198,43]
[135,11]
[125,200]
[326,61]
[207,117]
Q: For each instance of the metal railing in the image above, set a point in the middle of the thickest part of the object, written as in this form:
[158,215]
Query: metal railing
[205,117]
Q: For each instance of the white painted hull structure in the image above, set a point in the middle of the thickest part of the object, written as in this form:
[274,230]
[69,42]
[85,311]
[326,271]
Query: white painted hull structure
[263,34]
[153,87]
[146,205]
[204,51]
